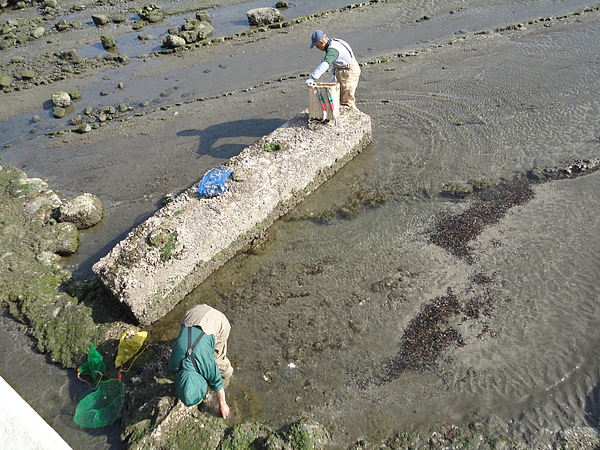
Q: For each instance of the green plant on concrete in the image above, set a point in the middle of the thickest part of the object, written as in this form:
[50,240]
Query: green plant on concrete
[273,147]
[166,252]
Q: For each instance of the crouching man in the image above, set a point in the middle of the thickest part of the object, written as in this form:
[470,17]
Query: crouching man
[199,356]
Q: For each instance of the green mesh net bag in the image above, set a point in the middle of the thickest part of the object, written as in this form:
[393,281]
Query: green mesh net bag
[101,407]
[94,367]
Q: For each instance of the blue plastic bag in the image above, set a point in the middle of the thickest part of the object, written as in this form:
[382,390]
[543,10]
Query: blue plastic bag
[214,182]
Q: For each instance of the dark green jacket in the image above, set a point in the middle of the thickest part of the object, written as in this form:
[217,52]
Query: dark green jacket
[187,378]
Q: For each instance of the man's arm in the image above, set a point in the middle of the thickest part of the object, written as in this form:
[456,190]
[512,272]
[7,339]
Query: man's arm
[223,407]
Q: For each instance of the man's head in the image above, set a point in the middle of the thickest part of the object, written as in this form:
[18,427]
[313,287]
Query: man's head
[319,40]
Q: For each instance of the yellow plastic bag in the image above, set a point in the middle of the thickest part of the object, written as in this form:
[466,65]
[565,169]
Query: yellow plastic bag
[129,344]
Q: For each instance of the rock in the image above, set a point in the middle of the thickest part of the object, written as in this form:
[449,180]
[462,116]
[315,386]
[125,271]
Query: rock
[108,41]
[61,99]
[62,238]
[38,32]
[5,81]
[77,120]
[171,41]
[36,118]
[118,18]
[38,200]
[28,74]
[264,16]
[48,258]
[75,94]
[69,55]
[189,36]
[84,128]
[84,211]
[100,19]
[203,16]
[579,437]
[150,13]
[59,112]
[62,25]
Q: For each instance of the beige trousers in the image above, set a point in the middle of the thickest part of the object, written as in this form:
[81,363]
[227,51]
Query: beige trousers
[348,77]
[212,322]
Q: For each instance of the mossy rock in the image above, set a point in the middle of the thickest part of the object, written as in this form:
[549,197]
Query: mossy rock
[62,238]
[28,74]
[108,41]
[5,81]
[308,434]
[246,435]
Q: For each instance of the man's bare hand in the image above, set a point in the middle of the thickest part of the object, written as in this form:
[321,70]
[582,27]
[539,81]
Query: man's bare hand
[223,406]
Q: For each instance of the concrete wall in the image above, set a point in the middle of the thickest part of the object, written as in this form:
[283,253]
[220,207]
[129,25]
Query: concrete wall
[172,252]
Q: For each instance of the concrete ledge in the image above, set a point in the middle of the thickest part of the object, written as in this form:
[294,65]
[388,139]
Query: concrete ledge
[172,252]
[21,427]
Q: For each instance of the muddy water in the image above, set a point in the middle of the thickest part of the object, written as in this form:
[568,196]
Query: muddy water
[321,311]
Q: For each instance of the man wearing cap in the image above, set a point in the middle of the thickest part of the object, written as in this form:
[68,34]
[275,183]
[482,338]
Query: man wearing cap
[199,356]
[346,70]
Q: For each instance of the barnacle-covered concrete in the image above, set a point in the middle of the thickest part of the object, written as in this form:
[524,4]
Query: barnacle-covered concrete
[172,252]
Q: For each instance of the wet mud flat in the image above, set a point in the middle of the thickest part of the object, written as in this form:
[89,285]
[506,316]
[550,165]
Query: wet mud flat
[324,316]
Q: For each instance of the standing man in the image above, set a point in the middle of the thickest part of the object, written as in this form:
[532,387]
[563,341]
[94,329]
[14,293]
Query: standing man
[199,356]
[346,70]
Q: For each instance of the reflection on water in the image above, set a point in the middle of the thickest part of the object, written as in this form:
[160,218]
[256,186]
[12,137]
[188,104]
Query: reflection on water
[323,313]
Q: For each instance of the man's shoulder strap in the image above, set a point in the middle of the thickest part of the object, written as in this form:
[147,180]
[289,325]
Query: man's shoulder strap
[190,349]
[345,44]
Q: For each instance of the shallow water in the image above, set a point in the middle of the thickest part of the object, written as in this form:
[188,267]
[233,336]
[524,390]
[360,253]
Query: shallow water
[311,326]
[323,307]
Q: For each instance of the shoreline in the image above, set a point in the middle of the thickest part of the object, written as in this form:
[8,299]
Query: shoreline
[166,115]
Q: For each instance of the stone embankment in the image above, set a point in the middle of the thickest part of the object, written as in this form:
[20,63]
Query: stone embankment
[172,252]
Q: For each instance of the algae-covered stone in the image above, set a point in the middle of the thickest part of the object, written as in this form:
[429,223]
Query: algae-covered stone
[5,81]
[28,74]
[59,112]
[84,128]
[62,238]
[308,434]
[100,19]
[108,41]
[203,16]
[62,99]
[63,25]
[243,435]
[38,32]
[37,199]
[69,55]
[118,18]
[77,120]
[75,94]
[84,211]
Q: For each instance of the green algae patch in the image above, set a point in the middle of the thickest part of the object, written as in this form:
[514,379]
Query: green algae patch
[246,435]
[32,281]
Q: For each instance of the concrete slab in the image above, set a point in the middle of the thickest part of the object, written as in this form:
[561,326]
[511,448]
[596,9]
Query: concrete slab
[172,252]
[21,427]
